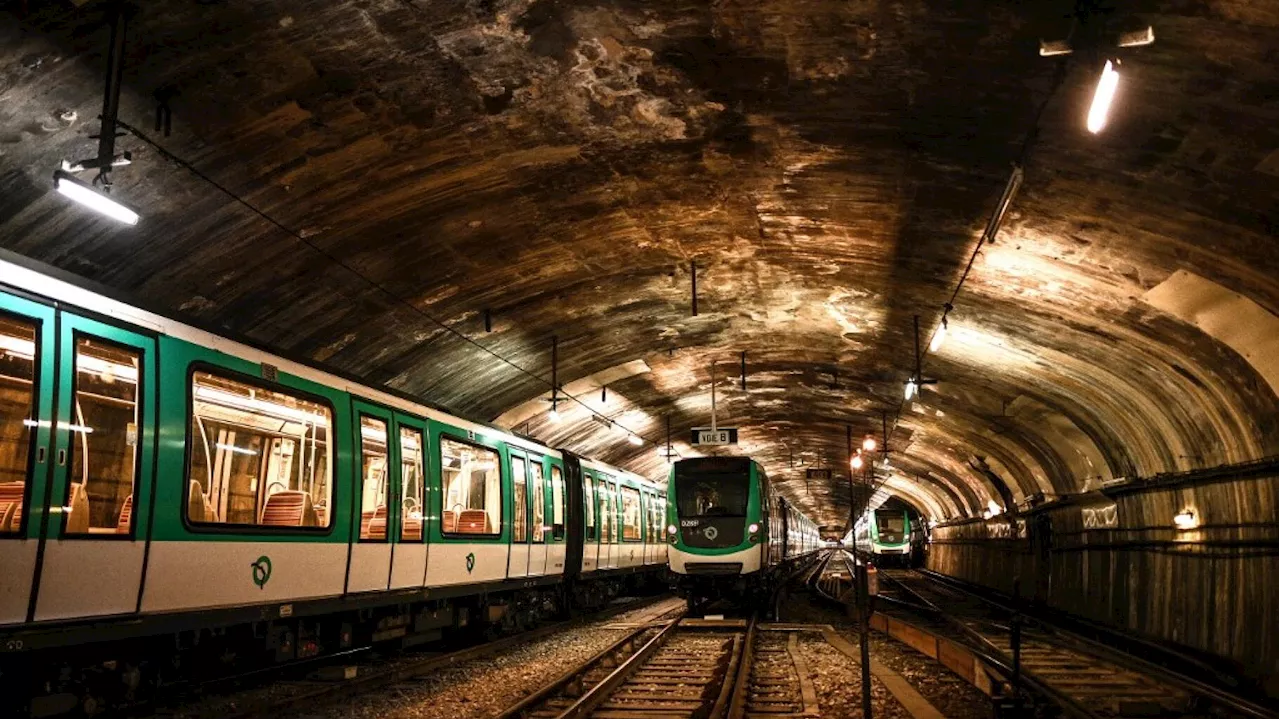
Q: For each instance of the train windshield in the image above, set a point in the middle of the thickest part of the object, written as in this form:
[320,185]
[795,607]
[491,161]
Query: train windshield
[892,526]
[718,490]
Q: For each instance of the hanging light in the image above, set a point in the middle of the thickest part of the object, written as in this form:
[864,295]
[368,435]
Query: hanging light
[70,187]
[554,414]
[909,390]
[634,439]
[856,462]
[1102,97]
[869,444]
[939,336]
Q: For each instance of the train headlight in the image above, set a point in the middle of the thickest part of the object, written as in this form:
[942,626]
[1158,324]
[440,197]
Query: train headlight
[671,529]
[753,528]
[671,533]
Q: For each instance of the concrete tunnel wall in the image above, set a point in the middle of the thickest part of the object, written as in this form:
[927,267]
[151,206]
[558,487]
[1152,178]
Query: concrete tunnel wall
[1115,557]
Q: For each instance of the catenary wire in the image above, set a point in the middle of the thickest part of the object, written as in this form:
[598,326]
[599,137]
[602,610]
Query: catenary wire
[172,157]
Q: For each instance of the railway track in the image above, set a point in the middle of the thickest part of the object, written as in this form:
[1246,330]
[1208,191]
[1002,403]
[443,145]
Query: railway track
[690,668]
[375,673]
[1084,679]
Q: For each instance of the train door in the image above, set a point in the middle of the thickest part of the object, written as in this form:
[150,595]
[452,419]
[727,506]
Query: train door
[26,412]
[518,560]
[539,529]
[608,525]
[590,523]
[409,550]
[377,480]
[103,445]
[558,519]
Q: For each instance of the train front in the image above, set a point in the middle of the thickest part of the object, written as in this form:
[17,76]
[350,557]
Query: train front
[715,531]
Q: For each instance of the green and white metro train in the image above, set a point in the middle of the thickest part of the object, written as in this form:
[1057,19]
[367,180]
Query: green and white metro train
[731,533]
[171,498]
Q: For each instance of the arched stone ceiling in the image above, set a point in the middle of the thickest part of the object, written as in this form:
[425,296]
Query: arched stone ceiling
[828,166]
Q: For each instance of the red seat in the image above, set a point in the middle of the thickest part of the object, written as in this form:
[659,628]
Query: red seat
[125,522]
[449,521]
[412,530]
[12,492]
[473,521]
[285,509]
[378,524]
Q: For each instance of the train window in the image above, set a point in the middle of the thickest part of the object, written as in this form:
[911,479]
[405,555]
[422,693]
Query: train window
[606,513]
[520,524]
[104,438]
[630,514]
[17,410]
[411,480]
[557,503]
[257,456]
[589,500]
[701,493]
[374,478]
[472,502]
[539,502]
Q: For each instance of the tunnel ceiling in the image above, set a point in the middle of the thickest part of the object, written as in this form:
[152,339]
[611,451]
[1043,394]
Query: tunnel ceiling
[341,176]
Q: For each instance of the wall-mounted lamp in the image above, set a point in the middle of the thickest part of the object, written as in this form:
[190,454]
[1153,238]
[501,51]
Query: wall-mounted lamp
[1186,519]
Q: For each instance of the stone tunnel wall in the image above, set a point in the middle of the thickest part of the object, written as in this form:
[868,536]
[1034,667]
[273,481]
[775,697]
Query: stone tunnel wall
[1115,557]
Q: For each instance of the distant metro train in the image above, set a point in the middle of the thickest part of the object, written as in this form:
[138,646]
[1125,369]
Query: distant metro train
[171,499]
[889,536]
[731,533]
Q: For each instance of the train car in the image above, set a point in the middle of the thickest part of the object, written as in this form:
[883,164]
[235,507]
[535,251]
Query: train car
[171,498]
[730,533]
[885,535]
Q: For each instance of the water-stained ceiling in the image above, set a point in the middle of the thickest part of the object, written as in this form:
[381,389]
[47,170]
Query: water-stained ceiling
[344,177]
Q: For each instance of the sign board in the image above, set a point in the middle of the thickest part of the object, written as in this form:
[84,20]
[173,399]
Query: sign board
[817,474]
[702,436]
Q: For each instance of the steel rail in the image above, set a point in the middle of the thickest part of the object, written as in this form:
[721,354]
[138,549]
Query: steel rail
[375,679]
[557,685]
[598,694]
[1000,660]
[1073,640]
[732,703]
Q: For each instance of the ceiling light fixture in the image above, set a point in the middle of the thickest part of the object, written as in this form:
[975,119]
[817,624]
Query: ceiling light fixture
[915,381]
[1103,94]
[869,444]
[940,334]
[635,439]
[83,193]
[856,462]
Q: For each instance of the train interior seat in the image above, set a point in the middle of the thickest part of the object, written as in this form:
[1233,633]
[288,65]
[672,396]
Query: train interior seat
[125,522]
[378,524]
[412,530]
[449,521]
[78,517]
[6,516]
[11,492]
[473,521]
[286,508]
